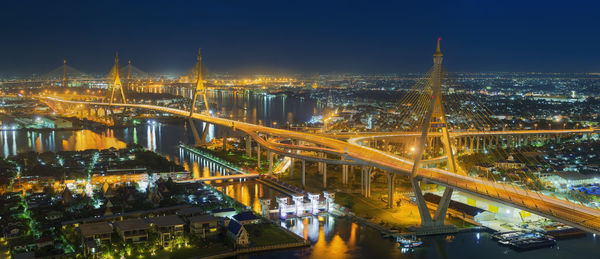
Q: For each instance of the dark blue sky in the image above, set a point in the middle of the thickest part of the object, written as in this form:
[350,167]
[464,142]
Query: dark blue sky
[301,36]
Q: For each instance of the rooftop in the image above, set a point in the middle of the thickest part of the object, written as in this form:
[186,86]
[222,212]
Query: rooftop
[167,221]
[190,211]
[234,227]
[132,224]
[246,215]
[97,228]
[203,218]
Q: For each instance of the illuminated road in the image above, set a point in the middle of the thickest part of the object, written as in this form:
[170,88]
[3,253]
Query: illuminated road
[381,135]
[564,211]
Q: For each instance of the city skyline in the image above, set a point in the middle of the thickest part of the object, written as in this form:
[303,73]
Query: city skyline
[311,37]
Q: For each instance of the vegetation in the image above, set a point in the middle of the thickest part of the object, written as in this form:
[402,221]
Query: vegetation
[268,234]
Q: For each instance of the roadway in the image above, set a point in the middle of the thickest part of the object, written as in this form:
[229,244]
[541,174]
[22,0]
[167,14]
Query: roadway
[564,211]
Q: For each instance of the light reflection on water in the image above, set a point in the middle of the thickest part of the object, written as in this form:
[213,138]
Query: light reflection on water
[14,142]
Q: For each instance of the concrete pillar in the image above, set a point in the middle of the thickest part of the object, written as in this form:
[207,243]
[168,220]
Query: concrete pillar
[303,173]
[477,144]
[440,212]
[270,154]
[258,155]
[292,160]
[345,174]
[391,177]
[197,138]
[225,141]
[324,175]
[472,140]
[362,180]
[248,146]
[421,204]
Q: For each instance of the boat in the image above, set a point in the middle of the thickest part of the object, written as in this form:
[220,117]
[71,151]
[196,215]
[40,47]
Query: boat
[562,231]
[507,235]
[534,243]
[408,242]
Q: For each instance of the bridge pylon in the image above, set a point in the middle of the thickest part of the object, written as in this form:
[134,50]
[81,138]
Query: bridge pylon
[117,83]
[64,78]
[434,120]
[199,89]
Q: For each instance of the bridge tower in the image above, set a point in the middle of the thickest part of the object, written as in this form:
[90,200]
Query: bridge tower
[199,89]
[64,78]
[129,75]
[434,120]
[117,83]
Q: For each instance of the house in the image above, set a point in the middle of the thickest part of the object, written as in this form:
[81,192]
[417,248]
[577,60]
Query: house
[53,215]
[204,225]
[132,230]
[169,227]
[44,242]
[92,234]
[24,244]
[246,217]
[237,233]
[509,163]
[26,255]
[14,230]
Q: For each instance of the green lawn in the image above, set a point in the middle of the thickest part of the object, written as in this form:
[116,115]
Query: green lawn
[196,249]
[268,234]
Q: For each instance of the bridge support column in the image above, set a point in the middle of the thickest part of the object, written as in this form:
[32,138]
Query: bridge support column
[362,180]
[472,140]
[248,146]
[391,177]
[197,138]
[366,181]
[270,154]
[421,204]
[303,173]
[345,174]
[324,175]
[225,142]
[258,156]
[292,160]
[205,131]
[440,212]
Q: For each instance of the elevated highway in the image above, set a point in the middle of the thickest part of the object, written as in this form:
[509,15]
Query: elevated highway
[568,212]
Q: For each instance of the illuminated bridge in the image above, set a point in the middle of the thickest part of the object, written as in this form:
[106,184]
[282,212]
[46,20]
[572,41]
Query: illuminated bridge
[435,143]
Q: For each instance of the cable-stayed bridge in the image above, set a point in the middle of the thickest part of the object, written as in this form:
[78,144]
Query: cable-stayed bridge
[441,131]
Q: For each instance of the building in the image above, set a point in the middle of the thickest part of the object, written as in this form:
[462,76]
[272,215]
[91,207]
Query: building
[93,234]
[510,163]
[169,228]
[246,217]
[120,176]
[133,230]
[237,233]
[203,226]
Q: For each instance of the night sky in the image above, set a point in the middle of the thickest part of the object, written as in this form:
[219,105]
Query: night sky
[301,36]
